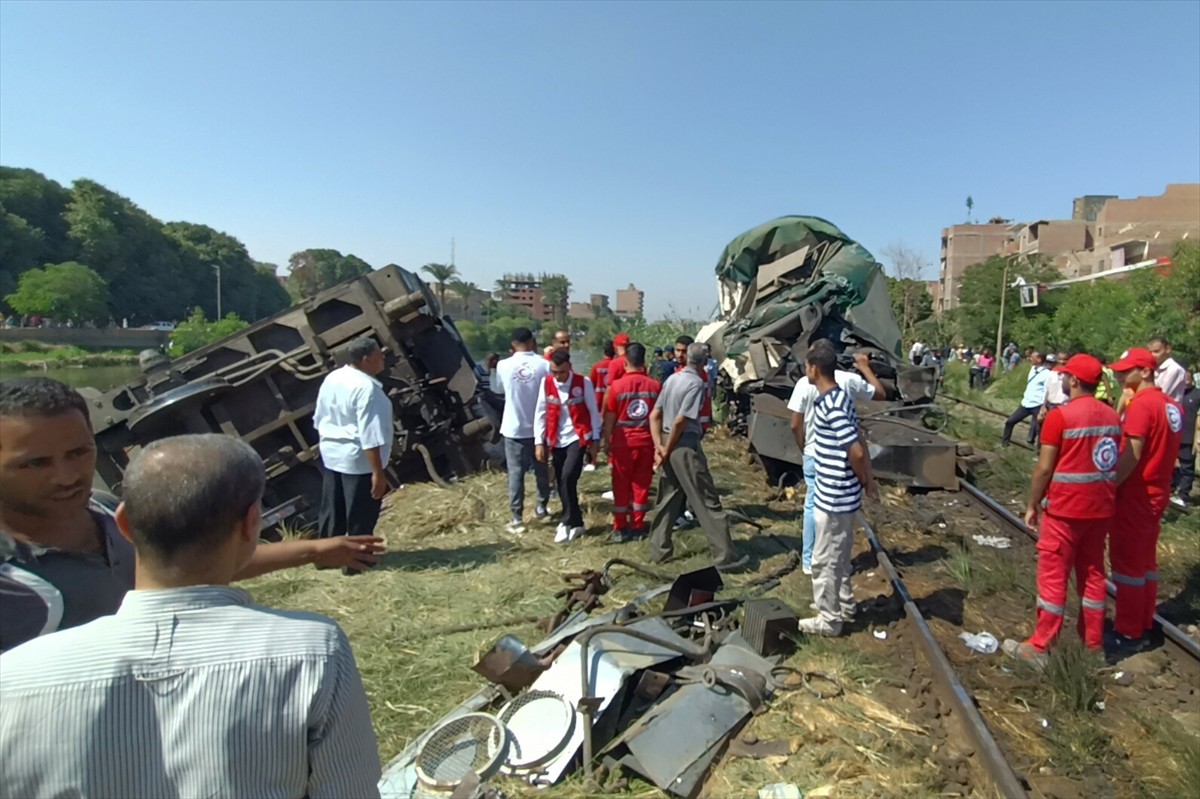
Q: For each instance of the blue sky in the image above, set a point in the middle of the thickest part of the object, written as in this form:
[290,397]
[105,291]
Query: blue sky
[616,143]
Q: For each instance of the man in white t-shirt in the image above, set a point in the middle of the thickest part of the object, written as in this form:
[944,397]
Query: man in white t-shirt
[917,352]
[519,379]
[1169,376]
[803,396]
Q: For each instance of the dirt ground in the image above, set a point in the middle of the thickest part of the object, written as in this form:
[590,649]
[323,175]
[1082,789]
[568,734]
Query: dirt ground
[453,582]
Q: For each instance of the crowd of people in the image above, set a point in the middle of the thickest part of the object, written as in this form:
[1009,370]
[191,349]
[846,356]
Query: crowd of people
[127,620]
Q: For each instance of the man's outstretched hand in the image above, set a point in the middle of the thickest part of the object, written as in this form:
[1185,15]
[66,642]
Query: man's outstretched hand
[357,552]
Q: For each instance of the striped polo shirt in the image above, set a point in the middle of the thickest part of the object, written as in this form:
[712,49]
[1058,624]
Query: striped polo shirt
[836,428]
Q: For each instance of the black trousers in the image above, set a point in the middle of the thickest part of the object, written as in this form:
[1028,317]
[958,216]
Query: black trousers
[568,465]
[1185,472]
[1015,419]
[346,505]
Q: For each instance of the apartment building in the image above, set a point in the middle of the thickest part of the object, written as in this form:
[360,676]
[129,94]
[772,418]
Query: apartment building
[963,246]
[630,302]
[525,291]
[597,305]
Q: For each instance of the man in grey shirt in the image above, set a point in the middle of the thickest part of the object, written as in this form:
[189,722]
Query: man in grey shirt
[189,689]
[686,481]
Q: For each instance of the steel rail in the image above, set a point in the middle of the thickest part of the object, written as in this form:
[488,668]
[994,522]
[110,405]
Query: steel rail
[1006,518]
[986,409]
[995,764]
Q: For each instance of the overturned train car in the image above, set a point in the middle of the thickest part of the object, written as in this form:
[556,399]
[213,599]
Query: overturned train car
[261,385]
[792,281]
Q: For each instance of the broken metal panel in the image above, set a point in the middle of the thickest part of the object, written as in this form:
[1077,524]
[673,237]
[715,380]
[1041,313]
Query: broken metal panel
[261,385]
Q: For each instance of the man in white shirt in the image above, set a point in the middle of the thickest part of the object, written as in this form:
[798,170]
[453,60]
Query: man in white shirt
[1031,402]
[566,424]
[803,396]
[353,418]
[1056,393]
[1169,376]
[917,352]
[519,380]
[190,689]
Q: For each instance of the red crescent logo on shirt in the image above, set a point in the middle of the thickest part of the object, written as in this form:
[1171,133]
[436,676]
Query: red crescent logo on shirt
[523,373]
[1174,419]
[638,409]
[577,392]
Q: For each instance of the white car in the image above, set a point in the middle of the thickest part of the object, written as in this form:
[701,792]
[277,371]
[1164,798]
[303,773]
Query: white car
[166,326]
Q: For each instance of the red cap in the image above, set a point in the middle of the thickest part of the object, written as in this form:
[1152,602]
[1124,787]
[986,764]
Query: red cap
[1083,366]
[1136,358]
[621,340]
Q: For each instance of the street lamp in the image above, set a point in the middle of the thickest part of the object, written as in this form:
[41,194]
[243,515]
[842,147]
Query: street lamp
[217,269]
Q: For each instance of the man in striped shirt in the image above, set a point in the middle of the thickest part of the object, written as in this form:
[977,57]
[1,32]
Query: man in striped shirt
[189,690]
[843,473]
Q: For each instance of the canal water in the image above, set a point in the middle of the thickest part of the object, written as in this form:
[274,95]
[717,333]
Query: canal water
[98,377]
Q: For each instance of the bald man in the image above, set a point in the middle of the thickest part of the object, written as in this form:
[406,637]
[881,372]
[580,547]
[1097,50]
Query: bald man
[191,688]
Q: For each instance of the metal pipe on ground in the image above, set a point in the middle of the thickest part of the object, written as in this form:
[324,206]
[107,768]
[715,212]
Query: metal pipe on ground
[1005,779]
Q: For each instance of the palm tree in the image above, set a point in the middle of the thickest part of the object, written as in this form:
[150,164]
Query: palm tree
[464,290]
[441,274]
[500,290]
[555,290]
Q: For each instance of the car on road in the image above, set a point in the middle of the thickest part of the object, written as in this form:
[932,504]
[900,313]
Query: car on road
[165,326]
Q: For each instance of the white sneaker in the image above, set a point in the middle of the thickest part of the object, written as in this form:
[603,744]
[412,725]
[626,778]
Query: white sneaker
[574,533]
[607,495]
[542,511]
[515,527]
[818,626]
[807,570]
[1177,501]
[591,467]
[561,534]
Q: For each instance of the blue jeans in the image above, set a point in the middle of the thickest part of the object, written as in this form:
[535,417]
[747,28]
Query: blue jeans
[810,502]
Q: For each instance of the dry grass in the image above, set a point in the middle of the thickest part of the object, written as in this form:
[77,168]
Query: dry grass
[451,564]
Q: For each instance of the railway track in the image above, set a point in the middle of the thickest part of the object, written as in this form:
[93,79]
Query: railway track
[985,409]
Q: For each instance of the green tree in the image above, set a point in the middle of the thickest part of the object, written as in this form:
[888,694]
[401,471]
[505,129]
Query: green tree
[912,304]
[197,331]
[555,290]
[312,271]
[978,312]
[243,289]
[441,274]
[62,291]
[464,290]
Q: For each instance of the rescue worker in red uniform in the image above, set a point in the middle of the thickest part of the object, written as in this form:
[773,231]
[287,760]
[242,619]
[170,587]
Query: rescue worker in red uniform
[1076,473]
[599,375]
[1151,429]
[564,437]
[616,366]
[630,445]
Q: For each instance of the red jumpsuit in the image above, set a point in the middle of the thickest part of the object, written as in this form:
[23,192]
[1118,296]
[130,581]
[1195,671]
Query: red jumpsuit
[1141,500]
[600,380]
[631,398]
[1079,504]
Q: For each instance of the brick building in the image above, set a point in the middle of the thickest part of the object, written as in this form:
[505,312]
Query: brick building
[963,246]
[597,305]
[525,291]
[630,302]
[1144,228]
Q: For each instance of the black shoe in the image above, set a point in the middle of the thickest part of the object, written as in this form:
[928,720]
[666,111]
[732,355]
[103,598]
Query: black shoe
[1117,647]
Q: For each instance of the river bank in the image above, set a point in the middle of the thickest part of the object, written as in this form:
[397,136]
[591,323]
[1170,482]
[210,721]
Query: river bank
[36,356]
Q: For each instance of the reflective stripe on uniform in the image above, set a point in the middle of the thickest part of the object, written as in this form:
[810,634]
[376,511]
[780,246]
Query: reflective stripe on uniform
[45,591]
[640,507]
[1050,607]
[1084,432]
[641,423]
[637,395]
[1125,579]
[1152,577]
[1093,604]
[1086,477]
[620,510]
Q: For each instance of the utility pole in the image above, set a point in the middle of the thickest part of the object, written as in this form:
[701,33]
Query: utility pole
[217,269]
[1000,324]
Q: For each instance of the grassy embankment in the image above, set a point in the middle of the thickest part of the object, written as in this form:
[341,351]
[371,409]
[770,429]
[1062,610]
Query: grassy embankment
[36,356]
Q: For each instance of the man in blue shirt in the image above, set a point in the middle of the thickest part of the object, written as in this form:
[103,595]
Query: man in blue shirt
[1031,402]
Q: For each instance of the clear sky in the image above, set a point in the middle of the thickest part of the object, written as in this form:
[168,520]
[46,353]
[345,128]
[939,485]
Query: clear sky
[614,142]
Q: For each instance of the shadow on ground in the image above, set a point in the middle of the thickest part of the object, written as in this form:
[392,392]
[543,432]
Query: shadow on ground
[436,558]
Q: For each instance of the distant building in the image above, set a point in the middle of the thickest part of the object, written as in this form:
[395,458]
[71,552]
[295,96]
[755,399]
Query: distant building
[1145,228]
[525,291]
[596,306]
[630,302]
[964,246]
[1087,206]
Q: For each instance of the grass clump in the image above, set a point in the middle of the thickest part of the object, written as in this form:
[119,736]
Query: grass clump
[1073,674]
